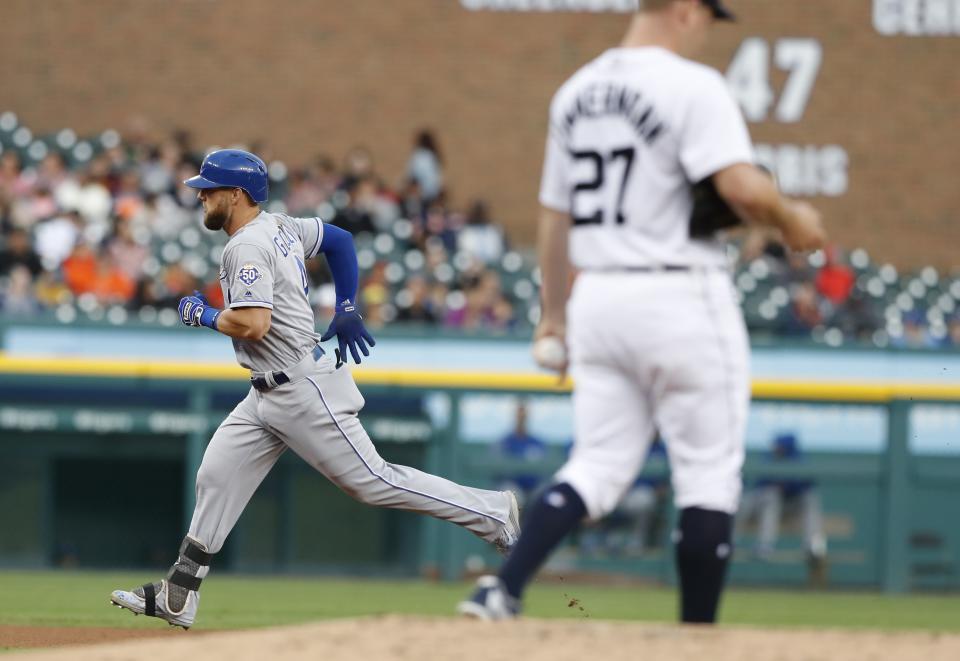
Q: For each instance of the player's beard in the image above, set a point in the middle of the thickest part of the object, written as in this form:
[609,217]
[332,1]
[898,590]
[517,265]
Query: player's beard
[216,217]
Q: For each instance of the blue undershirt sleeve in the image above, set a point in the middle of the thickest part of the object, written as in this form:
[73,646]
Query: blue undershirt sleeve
[337,246]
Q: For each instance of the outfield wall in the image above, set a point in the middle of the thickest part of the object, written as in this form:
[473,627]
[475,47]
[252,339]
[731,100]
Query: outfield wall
[101,456]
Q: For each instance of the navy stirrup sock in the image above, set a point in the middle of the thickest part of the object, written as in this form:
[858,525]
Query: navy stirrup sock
[557,512]
[703,550]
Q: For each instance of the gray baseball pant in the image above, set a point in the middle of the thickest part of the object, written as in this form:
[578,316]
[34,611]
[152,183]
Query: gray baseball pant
[316,416]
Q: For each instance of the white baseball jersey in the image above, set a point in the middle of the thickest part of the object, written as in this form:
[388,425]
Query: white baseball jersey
[629,133]
[655,350]
[263,266]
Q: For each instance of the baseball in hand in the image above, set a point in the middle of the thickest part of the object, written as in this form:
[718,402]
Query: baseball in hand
[550,353]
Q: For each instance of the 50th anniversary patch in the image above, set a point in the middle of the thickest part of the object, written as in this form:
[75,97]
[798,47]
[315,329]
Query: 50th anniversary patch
[249,274]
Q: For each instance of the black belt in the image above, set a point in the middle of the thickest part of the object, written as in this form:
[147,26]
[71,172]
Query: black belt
[279,377]
[661,268]
[657,268]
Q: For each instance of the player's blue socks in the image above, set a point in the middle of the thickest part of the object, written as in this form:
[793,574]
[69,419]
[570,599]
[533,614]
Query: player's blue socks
[557,512]
[703,549]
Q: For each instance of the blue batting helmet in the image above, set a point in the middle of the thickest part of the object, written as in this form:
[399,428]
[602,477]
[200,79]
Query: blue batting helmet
[233,168]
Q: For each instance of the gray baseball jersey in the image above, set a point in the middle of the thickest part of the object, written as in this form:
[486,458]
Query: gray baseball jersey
[316,413]
[263,266]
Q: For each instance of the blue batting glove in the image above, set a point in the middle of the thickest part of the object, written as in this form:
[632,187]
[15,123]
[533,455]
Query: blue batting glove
[347,325]
[196,311]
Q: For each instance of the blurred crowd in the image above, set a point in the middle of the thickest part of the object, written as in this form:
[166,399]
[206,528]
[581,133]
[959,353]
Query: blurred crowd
[103,228]
[117,234]
[834,297]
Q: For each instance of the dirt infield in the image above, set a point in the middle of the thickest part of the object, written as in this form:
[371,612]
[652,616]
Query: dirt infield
[394,638]
[29,636]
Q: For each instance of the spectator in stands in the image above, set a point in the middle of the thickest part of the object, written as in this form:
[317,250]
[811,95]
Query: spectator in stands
[522,447]
[439,293]
[368,198]
[6,215]
[916,334]
[52,173]
[17,297]
[184,196]
[504,314]
[375,294]
[436,225]
[304,194]
[50,290]
[356,216]
[80,269]
[435,254]
[157,173]
[953,330]
[12,180]
[324,173]
[804,313]
[481,238]
[111,285]
[834,280]
[774,497]
[425,166]
[17,251]
[189,154]
[799,270]
[93,199]
[177,282]
[479,308]
[161,216]
[125,251]
[37,205]
[55,238]
[856,318]
[414,304]
[128,193]
[358,164]
[412,205]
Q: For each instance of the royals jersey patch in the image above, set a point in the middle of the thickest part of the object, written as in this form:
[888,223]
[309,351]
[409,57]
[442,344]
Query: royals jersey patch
[249,274]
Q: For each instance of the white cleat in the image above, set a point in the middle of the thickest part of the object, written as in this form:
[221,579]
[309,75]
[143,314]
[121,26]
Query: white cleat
[511,529]
[155,603]
[490,602]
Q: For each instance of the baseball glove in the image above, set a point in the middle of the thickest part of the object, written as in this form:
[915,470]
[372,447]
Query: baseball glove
[711,213]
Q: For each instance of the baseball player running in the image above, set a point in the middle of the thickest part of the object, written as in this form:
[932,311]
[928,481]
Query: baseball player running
[300,398]
[656,338]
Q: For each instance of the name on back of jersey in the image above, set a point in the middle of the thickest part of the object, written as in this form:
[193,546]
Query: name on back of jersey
[613,99]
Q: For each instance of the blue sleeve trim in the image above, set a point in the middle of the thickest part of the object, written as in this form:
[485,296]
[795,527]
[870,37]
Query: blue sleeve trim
[320,233]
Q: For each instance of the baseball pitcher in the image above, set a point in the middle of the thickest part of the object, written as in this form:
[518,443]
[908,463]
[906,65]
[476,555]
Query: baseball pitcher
[300,397]
[655,336]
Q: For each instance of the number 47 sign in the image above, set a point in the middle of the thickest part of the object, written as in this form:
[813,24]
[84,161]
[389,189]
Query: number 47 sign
[749,77]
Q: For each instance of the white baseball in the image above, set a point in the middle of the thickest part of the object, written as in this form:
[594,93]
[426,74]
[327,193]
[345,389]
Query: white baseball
[550,353]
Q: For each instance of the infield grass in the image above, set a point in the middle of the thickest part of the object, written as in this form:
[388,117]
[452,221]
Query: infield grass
[61,598]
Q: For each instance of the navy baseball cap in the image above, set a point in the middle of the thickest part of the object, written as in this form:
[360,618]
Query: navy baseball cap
[719,11]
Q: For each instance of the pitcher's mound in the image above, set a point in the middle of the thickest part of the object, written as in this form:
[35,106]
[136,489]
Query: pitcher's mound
[398,638]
